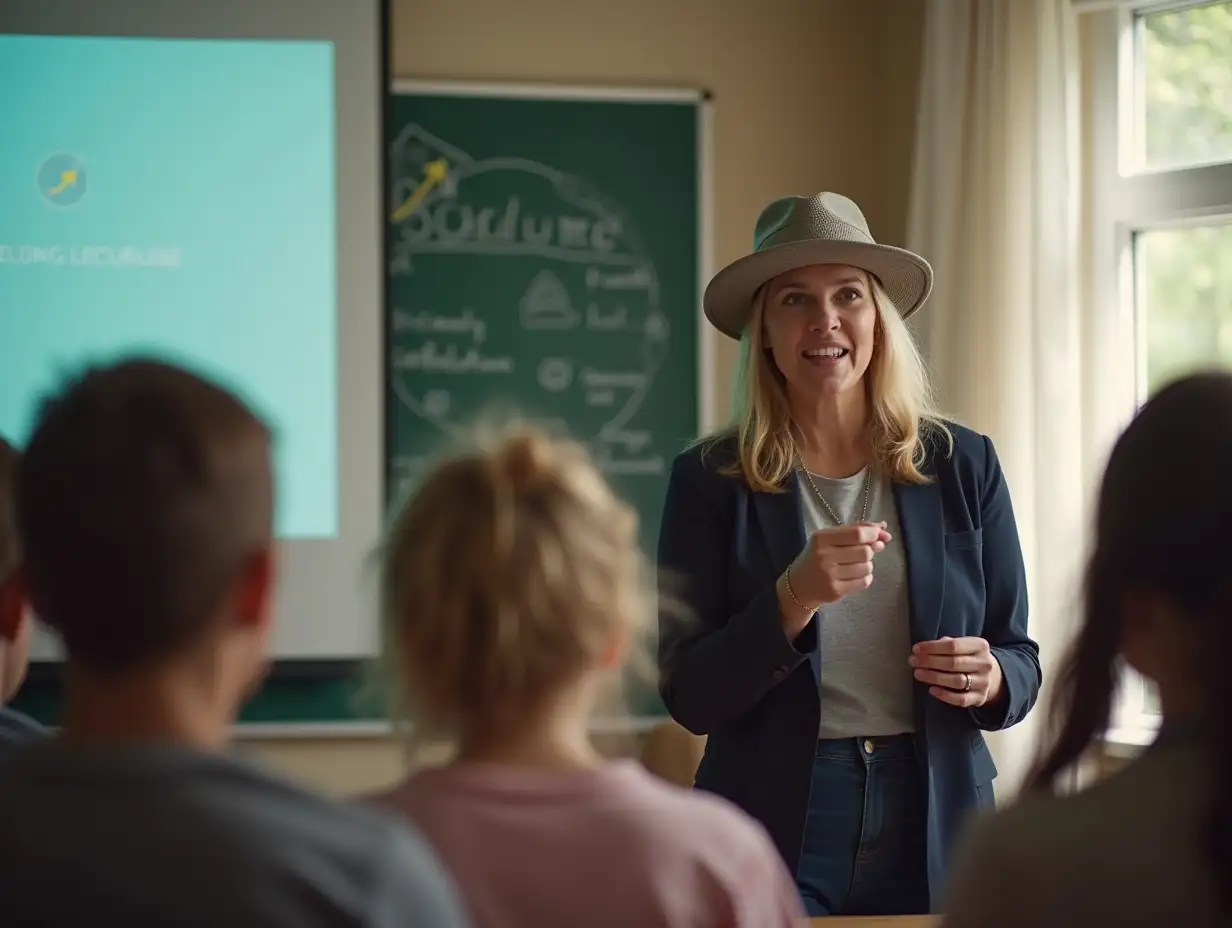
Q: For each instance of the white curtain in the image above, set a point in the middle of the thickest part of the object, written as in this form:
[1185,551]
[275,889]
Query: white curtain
[995,208]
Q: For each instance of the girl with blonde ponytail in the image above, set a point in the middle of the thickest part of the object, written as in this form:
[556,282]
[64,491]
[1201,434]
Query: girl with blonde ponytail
[514,591]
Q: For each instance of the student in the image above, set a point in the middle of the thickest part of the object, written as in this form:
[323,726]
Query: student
[513,587]
[1152,844]
[145,505]
[15,728]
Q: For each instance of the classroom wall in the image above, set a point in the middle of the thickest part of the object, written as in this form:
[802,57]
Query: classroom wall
[808,95]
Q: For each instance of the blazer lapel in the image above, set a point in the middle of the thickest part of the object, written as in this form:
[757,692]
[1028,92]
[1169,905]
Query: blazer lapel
[922,522]
[782,521]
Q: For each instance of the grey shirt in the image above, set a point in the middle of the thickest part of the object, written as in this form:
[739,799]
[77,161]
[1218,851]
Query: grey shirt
[865,637]
[164,836]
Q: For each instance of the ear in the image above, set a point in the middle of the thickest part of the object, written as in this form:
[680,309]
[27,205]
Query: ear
[1139,635]
[12,605]
[613,657]
[1138,611]
[255,590]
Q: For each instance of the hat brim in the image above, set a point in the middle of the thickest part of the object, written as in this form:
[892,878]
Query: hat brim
[728,303]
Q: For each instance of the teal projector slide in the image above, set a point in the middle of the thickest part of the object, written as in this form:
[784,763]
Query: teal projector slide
[176,198]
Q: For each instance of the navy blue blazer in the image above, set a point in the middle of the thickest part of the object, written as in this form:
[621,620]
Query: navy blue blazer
[730,673]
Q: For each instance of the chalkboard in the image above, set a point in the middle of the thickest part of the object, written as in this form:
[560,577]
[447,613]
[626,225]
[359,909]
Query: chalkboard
[546,259]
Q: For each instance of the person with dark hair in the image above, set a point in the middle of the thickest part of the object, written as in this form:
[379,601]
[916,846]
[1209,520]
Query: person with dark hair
[1150,845]
[15,728]
[145,505]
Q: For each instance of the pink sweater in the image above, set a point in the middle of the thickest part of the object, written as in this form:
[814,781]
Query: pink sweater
[607,847]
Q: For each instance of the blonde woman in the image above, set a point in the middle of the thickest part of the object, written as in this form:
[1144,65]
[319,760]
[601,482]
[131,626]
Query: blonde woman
[854,571]
[514,588]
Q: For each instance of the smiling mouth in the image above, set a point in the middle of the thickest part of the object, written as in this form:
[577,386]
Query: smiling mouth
[825,354]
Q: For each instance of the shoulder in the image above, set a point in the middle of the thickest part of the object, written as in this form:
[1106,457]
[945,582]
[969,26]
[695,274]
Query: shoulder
[707,469]
[16,728]
[688,836]
[967,441]
[690,824]
[244,820]
[950,440]
[409,878]
[961,450]
[1063,840]
[708,457]
[379,862]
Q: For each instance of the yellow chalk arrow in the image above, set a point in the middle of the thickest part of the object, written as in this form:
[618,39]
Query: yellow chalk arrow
[434,173]
[67,179]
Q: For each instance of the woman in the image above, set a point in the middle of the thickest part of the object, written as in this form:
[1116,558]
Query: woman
[1152,845]
[853,568]
[514,588]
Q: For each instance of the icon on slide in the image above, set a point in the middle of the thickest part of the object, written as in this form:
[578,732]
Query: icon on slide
[62,180]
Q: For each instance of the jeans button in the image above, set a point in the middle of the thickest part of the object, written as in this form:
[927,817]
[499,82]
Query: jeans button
[868,745]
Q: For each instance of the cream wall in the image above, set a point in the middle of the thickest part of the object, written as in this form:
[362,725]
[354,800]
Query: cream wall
[808,95]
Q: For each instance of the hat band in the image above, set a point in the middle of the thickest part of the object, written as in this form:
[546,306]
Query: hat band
[791,235]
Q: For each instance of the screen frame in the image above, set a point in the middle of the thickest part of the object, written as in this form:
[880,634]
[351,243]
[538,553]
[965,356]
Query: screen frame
[290,674]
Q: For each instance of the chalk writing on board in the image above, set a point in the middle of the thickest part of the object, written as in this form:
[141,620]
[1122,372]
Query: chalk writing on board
[413,151]
[435,358]
[653,354]
[436,403]
[555,374]
[636,279]
[463,323]
[582,299]
[501,224]
[596,319]
[546,304]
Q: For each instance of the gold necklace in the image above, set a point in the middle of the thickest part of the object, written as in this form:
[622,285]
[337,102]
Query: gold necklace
[868,483]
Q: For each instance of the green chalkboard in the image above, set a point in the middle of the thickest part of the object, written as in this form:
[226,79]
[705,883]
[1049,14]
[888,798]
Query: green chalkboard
[545,259]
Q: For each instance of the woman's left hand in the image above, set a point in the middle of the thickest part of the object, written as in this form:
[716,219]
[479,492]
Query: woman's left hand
[960,671]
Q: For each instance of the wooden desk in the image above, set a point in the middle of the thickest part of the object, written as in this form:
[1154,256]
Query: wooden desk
[878,921]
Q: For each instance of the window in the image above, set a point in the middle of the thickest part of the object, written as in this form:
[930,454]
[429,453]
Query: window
[1158,96]
[1183,292]
[1182,86]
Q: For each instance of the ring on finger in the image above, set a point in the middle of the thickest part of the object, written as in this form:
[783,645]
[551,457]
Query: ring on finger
[967,683]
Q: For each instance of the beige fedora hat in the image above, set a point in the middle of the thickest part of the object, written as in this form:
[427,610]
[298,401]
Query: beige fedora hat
[795,232]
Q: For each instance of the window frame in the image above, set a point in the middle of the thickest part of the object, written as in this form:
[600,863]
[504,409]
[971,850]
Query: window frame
[1126,199]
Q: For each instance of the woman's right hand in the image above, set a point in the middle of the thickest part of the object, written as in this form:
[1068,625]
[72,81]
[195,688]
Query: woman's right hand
[834,563]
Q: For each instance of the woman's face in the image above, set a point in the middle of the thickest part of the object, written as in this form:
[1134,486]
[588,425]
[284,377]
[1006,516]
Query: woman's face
[819,325]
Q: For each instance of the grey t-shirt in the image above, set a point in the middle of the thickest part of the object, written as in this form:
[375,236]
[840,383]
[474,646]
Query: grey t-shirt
[865,637]
[164,836]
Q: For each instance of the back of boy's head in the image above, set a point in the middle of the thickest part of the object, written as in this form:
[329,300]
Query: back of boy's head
[10,544]
[510,573]
[144,491]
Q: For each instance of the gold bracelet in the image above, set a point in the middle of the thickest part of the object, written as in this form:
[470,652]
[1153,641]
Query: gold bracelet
[791,592]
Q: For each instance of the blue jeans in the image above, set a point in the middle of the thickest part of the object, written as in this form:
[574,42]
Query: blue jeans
[865,848]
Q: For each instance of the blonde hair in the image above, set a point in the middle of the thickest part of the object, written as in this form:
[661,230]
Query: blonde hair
[511,572]
[901,406]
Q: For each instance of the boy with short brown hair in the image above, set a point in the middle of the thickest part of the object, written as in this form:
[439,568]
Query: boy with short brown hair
[145,506]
